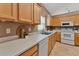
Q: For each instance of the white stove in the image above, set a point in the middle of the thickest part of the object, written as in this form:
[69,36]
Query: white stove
[67,34]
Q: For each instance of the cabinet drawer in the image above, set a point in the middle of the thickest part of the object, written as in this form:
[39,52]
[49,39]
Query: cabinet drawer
[35,54]
[76,34]
[30,52]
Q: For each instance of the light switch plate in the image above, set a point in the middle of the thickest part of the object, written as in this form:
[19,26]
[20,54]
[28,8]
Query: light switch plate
[8,30]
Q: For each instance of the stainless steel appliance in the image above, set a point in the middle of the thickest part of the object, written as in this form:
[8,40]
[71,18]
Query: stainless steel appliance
[67,34]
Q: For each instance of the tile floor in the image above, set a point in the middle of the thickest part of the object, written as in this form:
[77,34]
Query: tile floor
[64,50]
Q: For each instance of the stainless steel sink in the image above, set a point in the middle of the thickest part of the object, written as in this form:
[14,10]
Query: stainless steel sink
[46,33]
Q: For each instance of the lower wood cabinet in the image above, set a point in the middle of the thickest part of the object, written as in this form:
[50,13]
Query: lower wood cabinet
[51,43]
[31,52]
[42,49]
[35,54]
[76,39]
[57,36]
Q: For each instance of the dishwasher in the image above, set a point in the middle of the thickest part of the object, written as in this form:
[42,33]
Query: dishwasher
[43,47]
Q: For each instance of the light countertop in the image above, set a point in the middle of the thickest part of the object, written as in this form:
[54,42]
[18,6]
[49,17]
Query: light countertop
[16,47]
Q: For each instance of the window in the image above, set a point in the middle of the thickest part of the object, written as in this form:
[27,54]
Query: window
[42,24]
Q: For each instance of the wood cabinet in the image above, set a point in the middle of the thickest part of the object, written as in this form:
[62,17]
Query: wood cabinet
[77,39]
[55,21]
[31,52]
[15,11]
[22,12]
[37,14]
[51,43]
[57,36]
[35,54]
[7,12]
[29,12]
[25,12]
[52,40]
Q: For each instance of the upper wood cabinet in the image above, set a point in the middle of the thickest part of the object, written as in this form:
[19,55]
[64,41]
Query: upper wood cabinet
[21,12]
[6,11]
[25,12]
[55,21]
[29,13]
[37,13]
[15,11]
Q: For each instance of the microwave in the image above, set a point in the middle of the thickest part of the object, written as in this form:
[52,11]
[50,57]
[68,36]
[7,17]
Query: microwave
[67,23]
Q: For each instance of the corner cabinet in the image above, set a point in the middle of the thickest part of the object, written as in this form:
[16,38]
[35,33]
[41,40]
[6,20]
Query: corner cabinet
[7,12]
[37,14]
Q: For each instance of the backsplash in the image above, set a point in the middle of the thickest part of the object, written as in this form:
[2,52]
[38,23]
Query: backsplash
[13,28]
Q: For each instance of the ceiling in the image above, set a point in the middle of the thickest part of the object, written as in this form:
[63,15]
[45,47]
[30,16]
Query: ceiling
[61,8]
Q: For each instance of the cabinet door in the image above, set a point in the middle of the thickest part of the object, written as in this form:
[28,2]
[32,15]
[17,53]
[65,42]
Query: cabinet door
[49,45]
[57,36]
[53,41]
[15,11]
[25,12]
[37,10]
[6,11]
[35,54]
[55,21]
[77,39]
[30,52]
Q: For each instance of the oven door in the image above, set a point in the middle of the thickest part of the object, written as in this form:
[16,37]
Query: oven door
[67,35]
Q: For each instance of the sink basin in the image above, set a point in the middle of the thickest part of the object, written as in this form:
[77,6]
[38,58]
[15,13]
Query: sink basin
[46,33]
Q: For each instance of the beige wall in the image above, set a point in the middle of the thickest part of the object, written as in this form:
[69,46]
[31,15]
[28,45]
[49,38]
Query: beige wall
[13,27]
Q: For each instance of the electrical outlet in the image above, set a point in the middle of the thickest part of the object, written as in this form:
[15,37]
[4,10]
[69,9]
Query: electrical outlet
[29,29]
[8,30]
